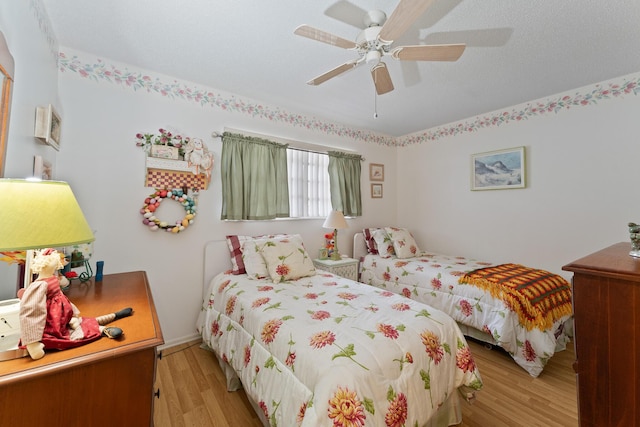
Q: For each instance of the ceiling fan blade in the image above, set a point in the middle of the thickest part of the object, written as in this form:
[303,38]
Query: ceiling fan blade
[401,18]
[324,37]
[440,52]
[346,12]
[333,73]
[381,78]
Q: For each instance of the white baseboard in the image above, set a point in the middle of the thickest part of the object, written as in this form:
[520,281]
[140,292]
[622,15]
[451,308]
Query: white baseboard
[178,341]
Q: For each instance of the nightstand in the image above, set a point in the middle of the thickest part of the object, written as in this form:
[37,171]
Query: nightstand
[103,383]
[346,267]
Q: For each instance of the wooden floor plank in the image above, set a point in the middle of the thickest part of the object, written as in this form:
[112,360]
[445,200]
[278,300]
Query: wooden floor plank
[193,392]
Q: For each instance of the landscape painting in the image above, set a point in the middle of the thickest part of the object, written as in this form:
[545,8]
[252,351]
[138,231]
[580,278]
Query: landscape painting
[498,170]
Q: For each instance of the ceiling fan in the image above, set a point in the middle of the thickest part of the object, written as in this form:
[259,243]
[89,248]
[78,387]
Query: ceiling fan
[375,41]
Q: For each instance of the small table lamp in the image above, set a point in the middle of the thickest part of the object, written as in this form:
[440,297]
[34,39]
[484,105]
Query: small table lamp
[34,215]
[40,214]
[336,221]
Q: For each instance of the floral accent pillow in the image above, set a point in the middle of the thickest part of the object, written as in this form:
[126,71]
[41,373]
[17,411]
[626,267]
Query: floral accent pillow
[254,264]
[287,259]
[404,244]
[383,243]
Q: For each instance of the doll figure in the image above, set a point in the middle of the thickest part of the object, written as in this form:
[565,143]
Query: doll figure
[49,320]
[329,243]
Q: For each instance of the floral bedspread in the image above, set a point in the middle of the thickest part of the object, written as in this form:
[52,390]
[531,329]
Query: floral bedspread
[327,351]
[433,279]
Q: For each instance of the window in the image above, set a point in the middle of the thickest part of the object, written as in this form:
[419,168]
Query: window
[309,194]
[264,180]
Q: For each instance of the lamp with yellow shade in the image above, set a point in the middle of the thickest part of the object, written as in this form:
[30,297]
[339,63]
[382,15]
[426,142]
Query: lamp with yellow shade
[34,215]
[40,214]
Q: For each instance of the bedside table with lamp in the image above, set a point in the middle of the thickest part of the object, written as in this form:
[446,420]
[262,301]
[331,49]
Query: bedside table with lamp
[345,267]
[336,263]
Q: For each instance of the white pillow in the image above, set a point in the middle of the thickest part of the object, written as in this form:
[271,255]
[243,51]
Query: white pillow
[404,244]
[254,263]
[235,243]
[287,259]
[383,243]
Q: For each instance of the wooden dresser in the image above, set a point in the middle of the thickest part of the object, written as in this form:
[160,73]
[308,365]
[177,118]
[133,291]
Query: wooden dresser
[606,304]
[103,383]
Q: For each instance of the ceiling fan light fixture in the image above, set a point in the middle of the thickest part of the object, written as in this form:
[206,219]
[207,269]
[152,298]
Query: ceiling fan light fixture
[372,56]
[375,42]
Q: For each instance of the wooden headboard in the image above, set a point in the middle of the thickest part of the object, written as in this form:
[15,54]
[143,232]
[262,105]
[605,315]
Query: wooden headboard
[216,260]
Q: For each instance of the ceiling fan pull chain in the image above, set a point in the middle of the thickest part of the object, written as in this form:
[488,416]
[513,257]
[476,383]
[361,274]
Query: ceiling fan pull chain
[375,103]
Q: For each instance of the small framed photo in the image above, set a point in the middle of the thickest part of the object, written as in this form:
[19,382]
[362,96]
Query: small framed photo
[48,126]
[323,253]
[376,191]
[376,172]
[42,168]
[497,170]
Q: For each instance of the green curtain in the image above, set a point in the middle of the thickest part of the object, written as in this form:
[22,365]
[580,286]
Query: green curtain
[254,178]
[344,180]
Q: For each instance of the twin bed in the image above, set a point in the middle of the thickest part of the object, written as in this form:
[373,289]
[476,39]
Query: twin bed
[531,321]
[311,348]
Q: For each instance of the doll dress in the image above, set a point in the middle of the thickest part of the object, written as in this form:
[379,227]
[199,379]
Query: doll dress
[57,334]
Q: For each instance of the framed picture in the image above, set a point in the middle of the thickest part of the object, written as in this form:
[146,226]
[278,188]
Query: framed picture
[376,172]
[323,253]
[42,168]
[376,191]
[497,170]
[48,126]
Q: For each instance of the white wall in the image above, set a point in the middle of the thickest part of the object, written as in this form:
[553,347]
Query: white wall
[106,171]
[582,189]
[35,84]
[35,81]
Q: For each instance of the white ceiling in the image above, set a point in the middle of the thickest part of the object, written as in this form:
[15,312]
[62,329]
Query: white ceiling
[517,51]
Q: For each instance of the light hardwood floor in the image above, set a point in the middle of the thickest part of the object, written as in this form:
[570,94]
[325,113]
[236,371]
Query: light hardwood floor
[193,392]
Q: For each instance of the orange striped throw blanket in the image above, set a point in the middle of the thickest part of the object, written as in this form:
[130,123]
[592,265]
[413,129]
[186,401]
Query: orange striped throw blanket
[537,296]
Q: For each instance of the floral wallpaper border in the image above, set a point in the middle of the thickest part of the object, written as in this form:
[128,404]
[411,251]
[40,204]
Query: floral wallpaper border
[100,71]
[44,24]
[589,95]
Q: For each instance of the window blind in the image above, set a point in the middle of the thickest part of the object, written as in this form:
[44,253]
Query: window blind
[309,194]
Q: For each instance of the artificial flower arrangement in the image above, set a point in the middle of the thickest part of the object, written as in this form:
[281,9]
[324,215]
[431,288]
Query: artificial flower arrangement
[146,140]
